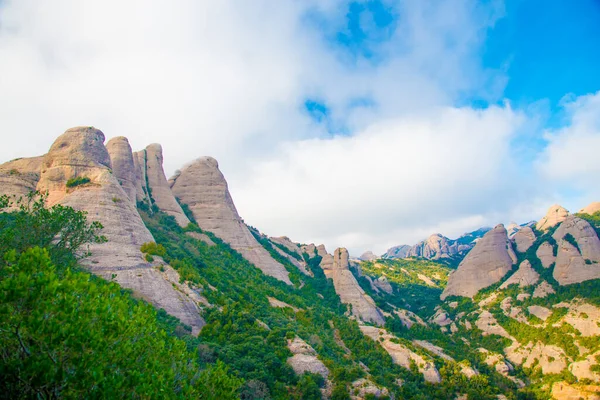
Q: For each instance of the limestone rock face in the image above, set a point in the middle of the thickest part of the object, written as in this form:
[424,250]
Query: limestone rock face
[141,181]
[543,290]
[161,192]
[20,177]
[523,239]
[565,391]
[397,251]
[574,265]
[203,188]
[487,263]
[525,276]
[305,359]
[555,215]
[292,248]
[591,208]
[121,158]
[350,292]
[550,359]
[79,153]
[546,254]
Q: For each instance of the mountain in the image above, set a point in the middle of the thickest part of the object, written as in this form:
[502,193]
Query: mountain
[179,296]
[437,247]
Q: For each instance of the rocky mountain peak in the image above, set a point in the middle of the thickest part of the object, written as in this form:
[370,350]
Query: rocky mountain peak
[555,215]
[488,262]
[202,186]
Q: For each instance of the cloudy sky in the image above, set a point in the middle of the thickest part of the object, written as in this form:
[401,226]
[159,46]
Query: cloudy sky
[363,124]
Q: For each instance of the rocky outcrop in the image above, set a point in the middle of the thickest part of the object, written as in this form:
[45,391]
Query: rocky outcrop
[19,177]
[581,263]
[203,188]
[591,209]
[525,276]
[550,359]
[546,254]
[350,292]
[291,248]
[434,247]
[159,187]
[397,251]
[80,153]
[555,215]
[543,290]
[305,359]
[401,354]
[368,256]
[121,158]
[566,391]
[487,263]
[587,368]
[524,239]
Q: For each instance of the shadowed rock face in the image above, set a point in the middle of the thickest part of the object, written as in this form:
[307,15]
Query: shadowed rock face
[575,265]
[203,188]
[350,292]
[555,215]
[79,153]
[161,192]
[400,251]
[487,263]
[121,158]
[141,181]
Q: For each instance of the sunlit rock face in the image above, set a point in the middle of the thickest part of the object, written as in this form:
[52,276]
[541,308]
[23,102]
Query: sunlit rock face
[487,263]
[202,186]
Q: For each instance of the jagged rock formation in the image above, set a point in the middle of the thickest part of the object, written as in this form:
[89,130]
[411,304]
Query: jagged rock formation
[80,153]
[434,247]
[550,359]
[488,262]
[591,208]
[581,263]
[203,188]
[20,177]
[438,246]
[293,248]
[159,187]
[525,276]
[350,292]
[368,256]
[397,251]
[546,254]
[121,158]
[524,239]
[555,215]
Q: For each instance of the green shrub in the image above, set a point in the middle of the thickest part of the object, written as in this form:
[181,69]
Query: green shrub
[153,249]
[80,180]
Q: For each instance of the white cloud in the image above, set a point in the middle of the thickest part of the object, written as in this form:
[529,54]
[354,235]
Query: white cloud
[228,78]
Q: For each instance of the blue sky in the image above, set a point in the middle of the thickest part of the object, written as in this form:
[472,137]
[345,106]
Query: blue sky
[363,124]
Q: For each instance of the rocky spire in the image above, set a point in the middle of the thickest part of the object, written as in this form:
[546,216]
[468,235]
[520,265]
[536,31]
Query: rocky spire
[76,172]
[121,158]
[202,186]
[159,187]
[350,292]
[488,262]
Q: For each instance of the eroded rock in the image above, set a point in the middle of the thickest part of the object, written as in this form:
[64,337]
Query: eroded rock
[203,188]
[487,263]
